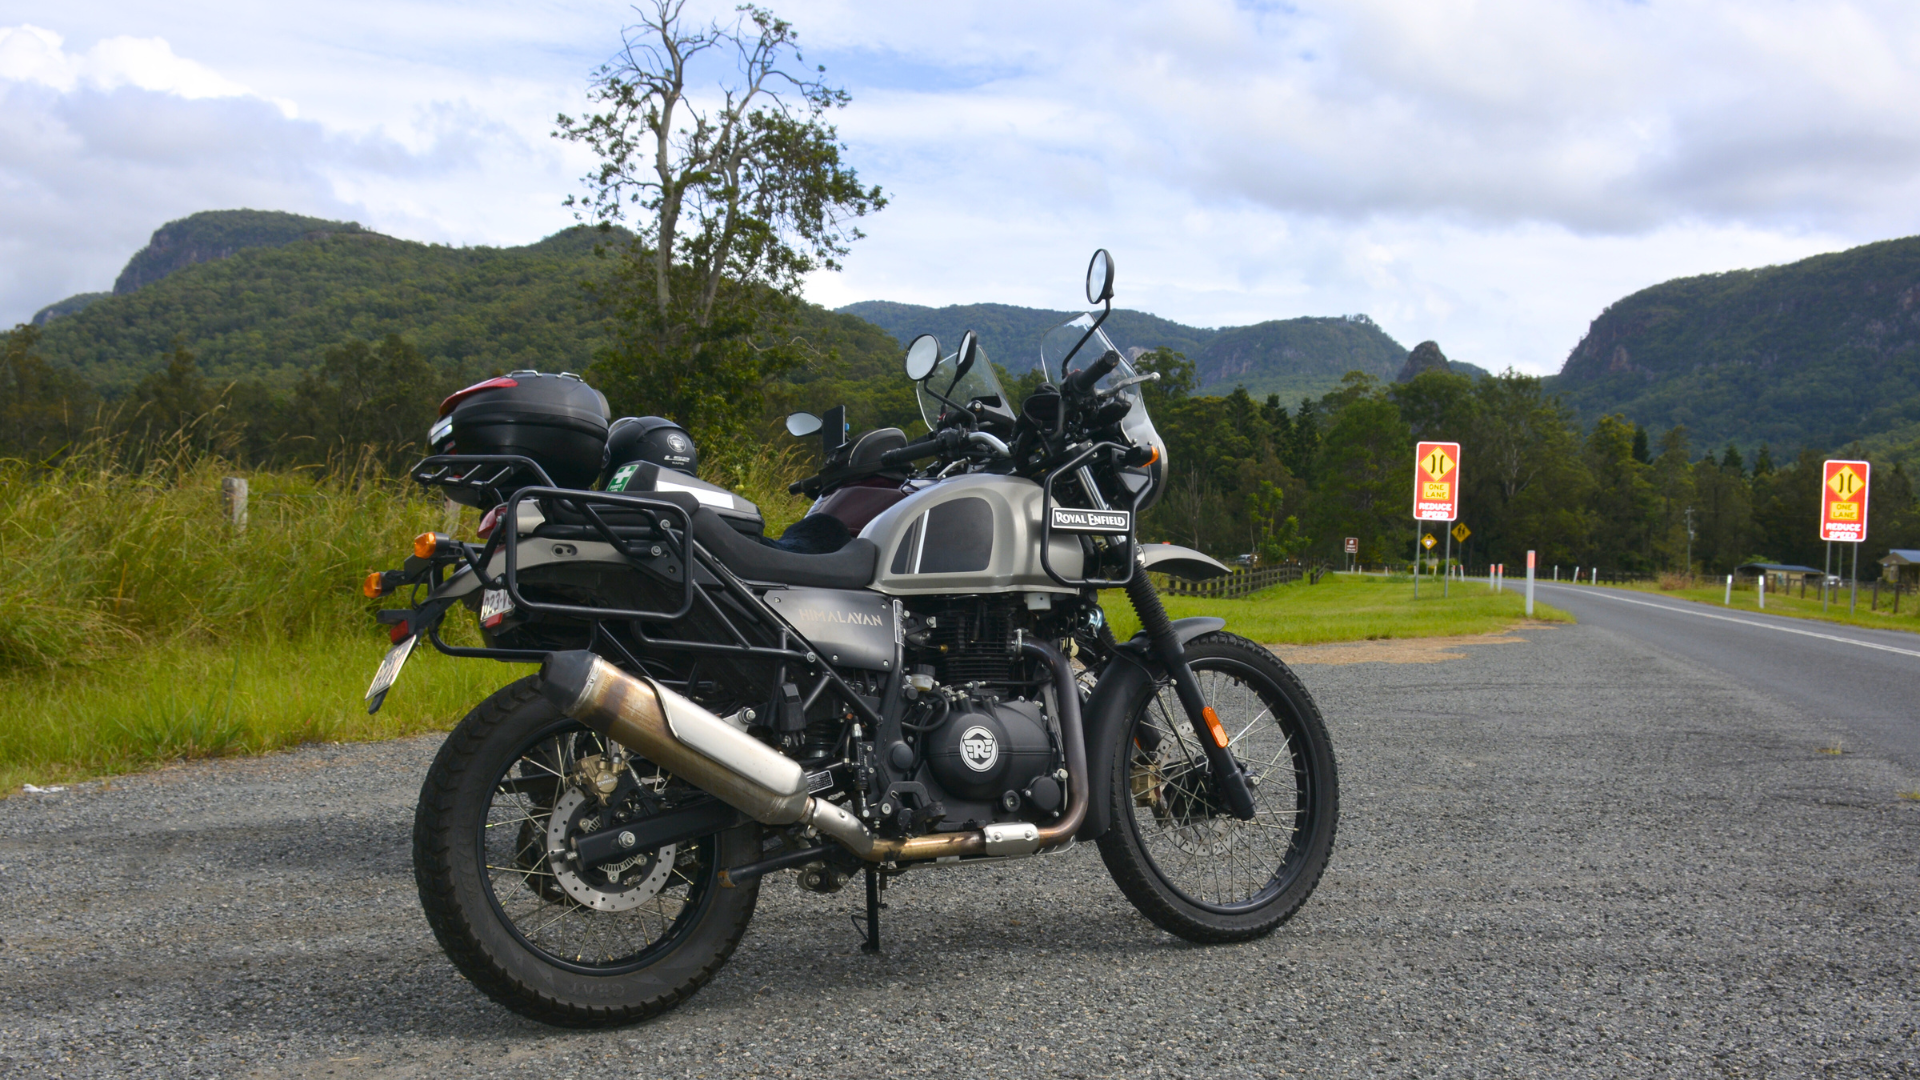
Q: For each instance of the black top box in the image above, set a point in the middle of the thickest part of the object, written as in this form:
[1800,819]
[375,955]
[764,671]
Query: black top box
[555,419]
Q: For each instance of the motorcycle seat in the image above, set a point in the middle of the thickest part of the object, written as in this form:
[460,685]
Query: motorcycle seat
[851,567]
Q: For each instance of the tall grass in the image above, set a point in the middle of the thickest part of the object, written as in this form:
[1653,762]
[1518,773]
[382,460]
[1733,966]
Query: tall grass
[138,625]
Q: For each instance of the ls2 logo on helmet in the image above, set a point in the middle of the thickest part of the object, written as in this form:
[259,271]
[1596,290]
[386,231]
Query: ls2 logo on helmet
[979,749]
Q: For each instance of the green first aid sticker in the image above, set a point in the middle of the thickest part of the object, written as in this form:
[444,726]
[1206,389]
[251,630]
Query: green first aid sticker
[620,478]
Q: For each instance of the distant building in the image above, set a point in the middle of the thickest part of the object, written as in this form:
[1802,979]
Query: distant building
[1901,565]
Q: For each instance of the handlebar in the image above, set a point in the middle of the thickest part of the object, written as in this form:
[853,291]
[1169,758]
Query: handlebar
[913,451]
[1082,382]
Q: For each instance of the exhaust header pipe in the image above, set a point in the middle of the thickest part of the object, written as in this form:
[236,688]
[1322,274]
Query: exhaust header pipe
[752,777]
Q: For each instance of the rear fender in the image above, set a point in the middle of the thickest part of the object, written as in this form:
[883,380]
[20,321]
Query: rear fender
[1131,675]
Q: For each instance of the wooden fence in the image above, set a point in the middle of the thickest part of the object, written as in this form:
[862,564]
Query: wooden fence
[1241,583]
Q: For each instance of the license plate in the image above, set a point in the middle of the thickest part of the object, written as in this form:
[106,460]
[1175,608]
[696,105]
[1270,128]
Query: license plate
[1067,519]
[389,671]
[495,606]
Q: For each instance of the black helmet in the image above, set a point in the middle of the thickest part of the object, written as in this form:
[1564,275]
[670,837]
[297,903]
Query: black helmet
[647,438]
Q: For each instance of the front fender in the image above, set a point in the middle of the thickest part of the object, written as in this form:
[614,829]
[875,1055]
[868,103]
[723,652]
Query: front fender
[1181,562]
[1131,674]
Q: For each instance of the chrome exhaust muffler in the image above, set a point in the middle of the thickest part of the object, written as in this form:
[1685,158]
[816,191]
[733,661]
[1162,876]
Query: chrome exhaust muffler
[752,777]
[677,735]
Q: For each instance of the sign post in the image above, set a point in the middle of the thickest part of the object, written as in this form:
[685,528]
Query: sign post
[1843,514]
[1436,492]
[1353,552]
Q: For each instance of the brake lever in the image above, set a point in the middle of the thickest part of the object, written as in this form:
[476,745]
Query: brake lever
[990,443]
[1151,376]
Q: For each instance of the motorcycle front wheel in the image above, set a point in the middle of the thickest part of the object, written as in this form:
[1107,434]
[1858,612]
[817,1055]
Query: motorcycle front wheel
[1174,849]
[560,943]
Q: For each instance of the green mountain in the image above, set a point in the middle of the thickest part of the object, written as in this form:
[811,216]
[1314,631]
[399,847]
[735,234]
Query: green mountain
[1011,335]
[261,296]
[76,302]
[1291,357]
[1816,353]
[268,312]
[218,234]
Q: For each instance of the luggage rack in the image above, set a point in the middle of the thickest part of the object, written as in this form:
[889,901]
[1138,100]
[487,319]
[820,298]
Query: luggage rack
[495,475]
[680,561]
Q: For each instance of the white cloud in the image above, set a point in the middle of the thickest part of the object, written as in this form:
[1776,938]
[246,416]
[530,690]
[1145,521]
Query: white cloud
[1489,173]
[100,146]
[31,54]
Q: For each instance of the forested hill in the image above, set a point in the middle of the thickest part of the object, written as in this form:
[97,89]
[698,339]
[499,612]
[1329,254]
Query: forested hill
[1291,357]
[267,313]
[1011,335]
[218,234]
[1816,353]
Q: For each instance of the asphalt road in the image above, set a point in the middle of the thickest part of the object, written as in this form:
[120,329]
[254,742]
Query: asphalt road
[1862,681]
[1563,852]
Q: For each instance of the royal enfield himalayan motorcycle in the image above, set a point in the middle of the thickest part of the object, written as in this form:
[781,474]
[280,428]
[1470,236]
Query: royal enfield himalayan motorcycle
[941,689]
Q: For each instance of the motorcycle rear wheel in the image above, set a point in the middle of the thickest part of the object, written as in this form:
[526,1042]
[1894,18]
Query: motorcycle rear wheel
[1175,851]
[596,947]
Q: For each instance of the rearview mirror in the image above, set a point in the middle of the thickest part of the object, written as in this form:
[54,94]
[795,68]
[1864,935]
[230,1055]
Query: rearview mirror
[802,423]
[922,355]
[963,360]
[1100,277]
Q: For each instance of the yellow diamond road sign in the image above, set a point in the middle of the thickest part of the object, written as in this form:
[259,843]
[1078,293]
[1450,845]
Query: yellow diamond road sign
[1845,482]
[1427,541]
[1437,463]
[1461,532]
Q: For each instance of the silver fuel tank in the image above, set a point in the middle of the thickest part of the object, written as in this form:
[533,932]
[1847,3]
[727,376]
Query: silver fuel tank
[972,534]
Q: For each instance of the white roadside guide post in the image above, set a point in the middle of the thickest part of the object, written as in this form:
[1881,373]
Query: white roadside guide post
[1729,600]
[1763,590]
[1436,494]
[1529,584]
[1843,513]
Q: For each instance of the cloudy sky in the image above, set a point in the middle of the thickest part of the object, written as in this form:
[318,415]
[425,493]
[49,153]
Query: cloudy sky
[1486,173]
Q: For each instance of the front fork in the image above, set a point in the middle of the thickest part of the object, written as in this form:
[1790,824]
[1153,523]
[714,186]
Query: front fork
[1228,773]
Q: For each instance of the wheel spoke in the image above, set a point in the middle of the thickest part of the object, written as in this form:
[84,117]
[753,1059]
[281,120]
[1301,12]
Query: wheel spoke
[545,903]
[1193,844]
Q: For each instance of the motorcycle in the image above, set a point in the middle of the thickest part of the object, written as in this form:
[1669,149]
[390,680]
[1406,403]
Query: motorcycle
[925,677]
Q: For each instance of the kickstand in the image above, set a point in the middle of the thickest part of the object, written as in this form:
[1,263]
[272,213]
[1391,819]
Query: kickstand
[873,912]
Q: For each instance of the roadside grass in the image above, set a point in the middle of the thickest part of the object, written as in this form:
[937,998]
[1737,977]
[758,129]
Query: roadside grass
[185,699]
[138,626]
[1350,607]
[1791,605]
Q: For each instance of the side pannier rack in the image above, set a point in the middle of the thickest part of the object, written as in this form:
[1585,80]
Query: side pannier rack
[653,533]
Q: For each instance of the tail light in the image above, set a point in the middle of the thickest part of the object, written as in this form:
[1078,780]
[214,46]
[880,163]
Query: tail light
[455,398]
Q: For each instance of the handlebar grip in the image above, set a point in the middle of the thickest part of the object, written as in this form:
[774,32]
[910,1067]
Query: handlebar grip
[912,452]
[1081,382]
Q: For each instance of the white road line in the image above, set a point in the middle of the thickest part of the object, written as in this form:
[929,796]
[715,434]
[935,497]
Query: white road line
[1746,622]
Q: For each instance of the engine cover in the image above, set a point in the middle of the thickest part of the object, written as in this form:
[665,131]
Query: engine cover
[987,748]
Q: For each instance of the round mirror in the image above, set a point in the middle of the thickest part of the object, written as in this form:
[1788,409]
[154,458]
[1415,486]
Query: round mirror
[802,423]
[922,355]
[1100,277]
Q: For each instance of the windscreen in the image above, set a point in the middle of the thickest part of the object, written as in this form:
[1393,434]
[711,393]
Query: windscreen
[1078,342]
[978,382]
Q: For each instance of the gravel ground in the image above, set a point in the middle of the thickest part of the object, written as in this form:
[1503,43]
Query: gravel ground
[1559,855]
